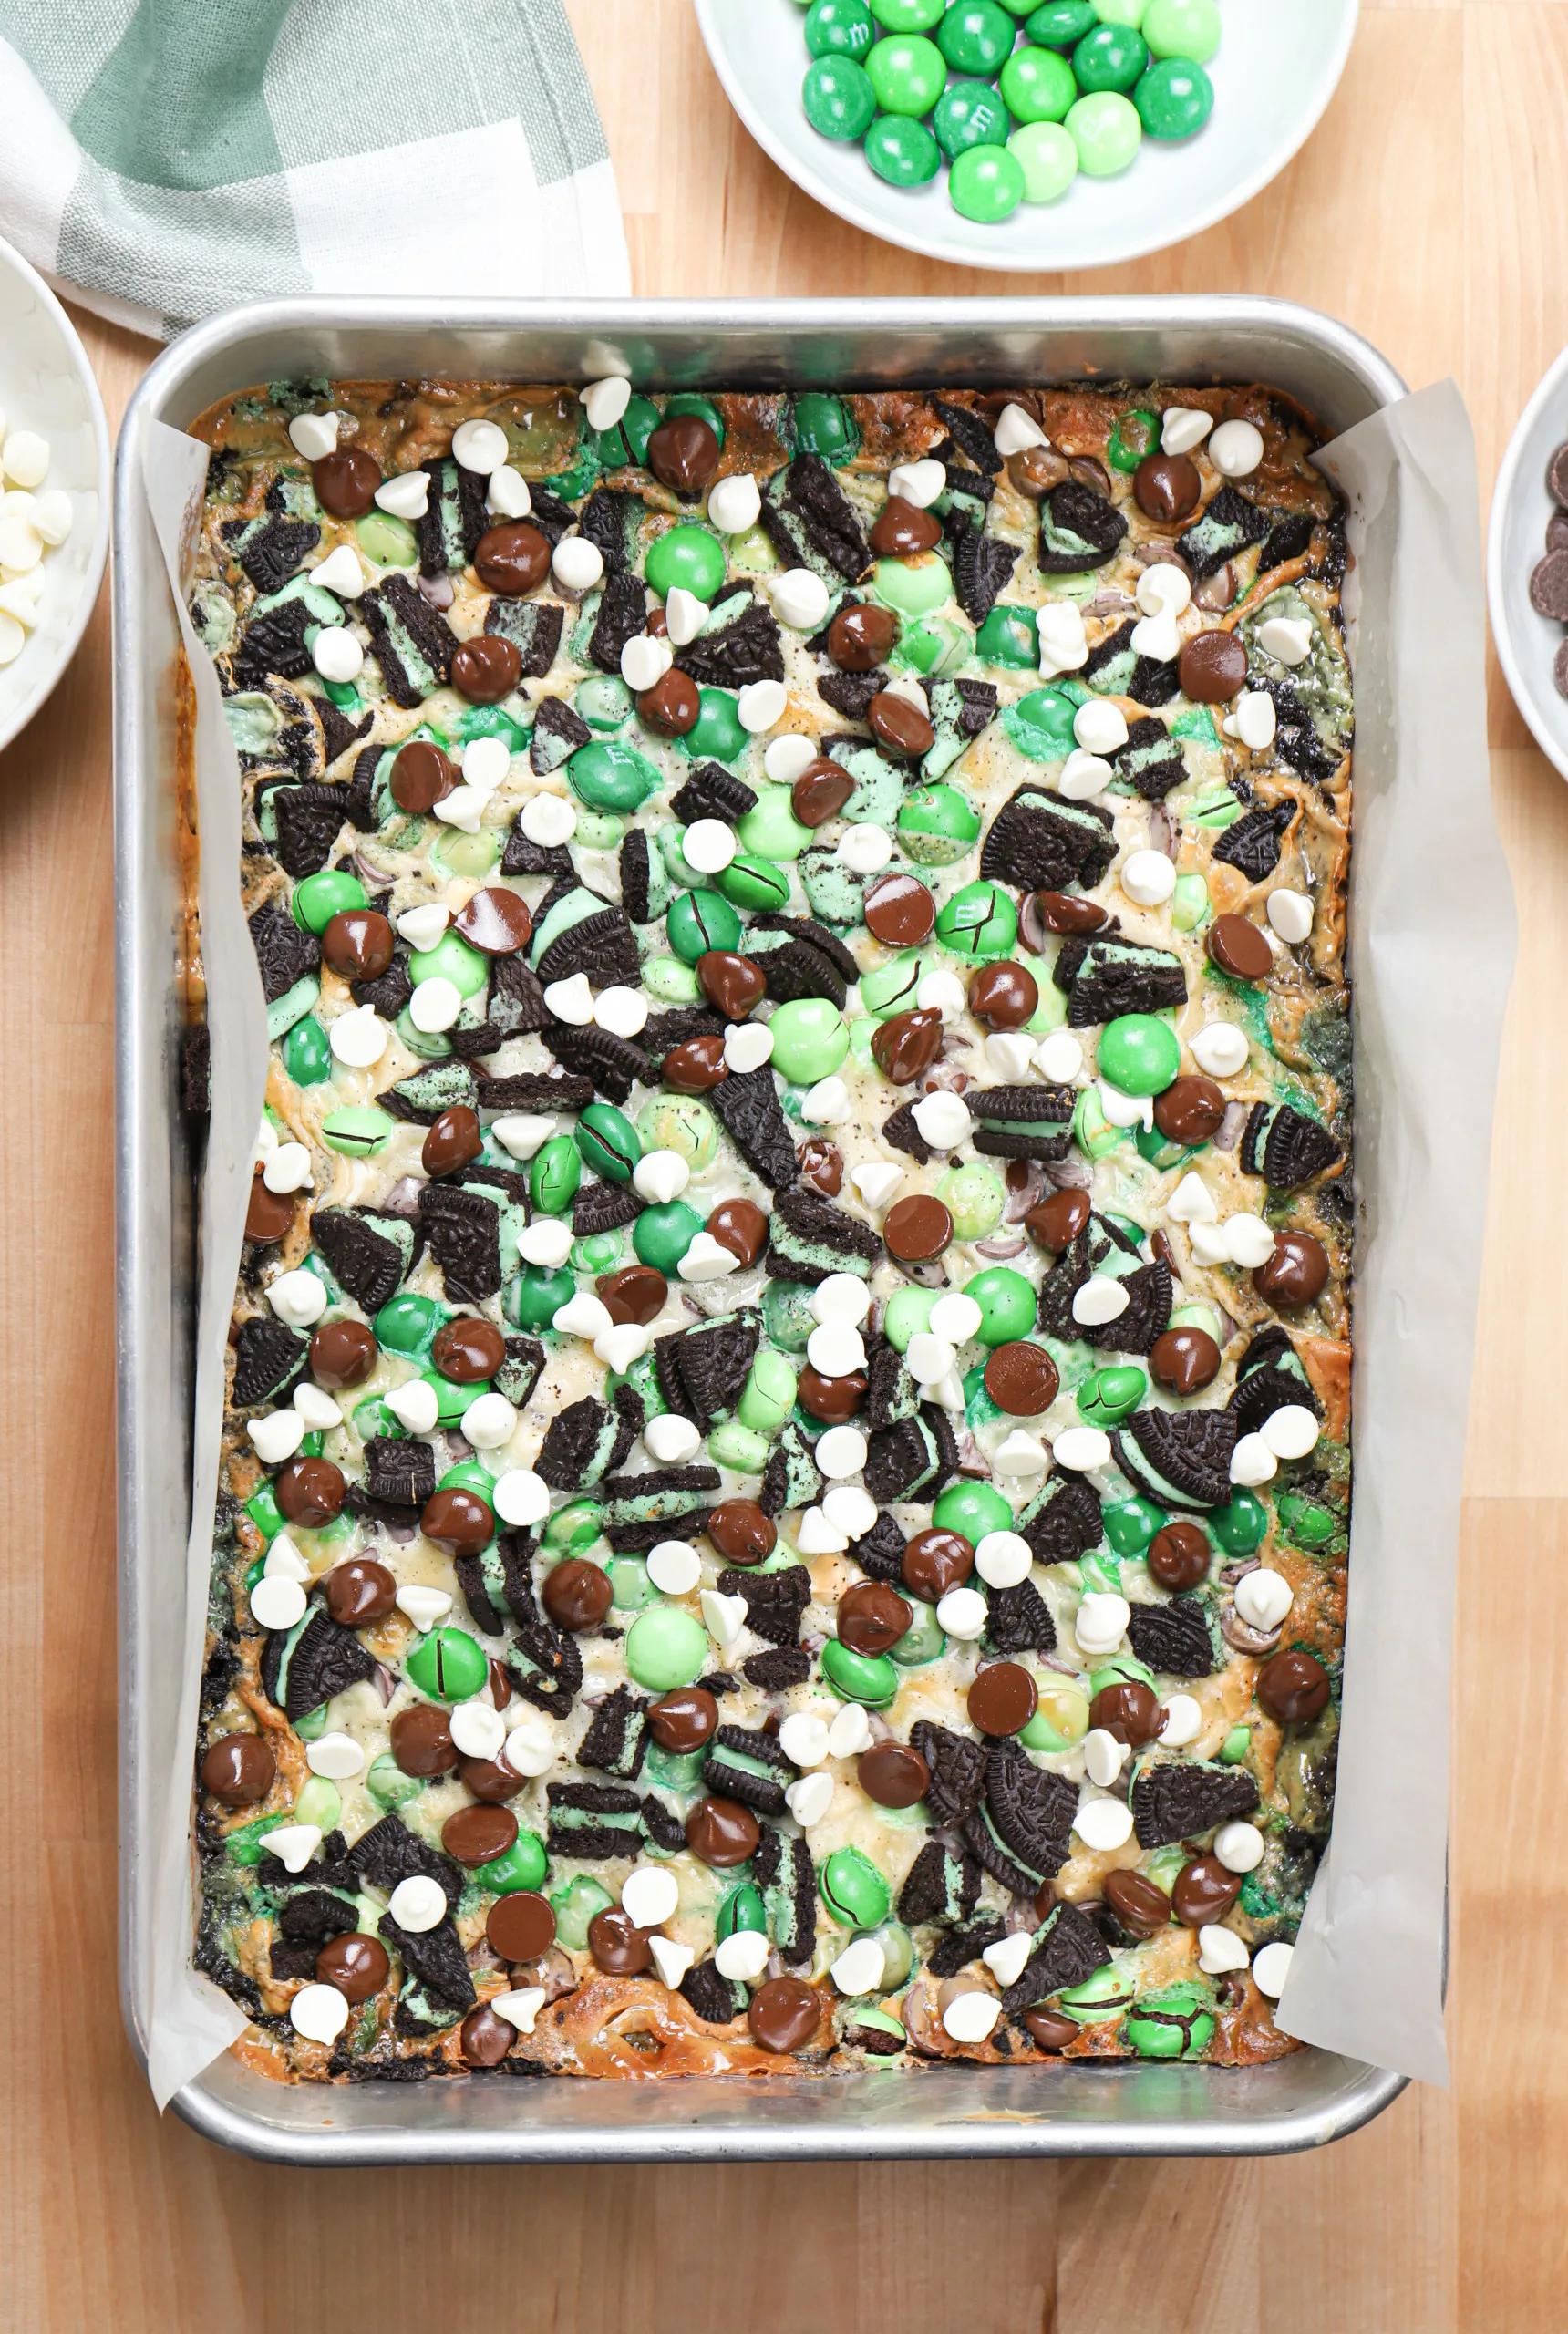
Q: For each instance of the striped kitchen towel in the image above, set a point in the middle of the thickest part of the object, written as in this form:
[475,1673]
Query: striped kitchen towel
[163,159]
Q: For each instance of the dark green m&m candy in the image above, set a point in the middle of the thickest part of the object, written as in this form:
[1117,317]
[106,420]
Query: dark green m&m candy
[1109,1397]
[839,99]
[608,1142]
[1111,56]
[718,734]
[977,37]
[448,1665]
[1060,24]
[839,28]
[608,776]
[1135,435]
[1239,1525]
[307,1052]
[406,1324]
[554,1173]
[536,1297]
[698,921]
[902,150]
[753,883]
[822,423]
[1173,98]
[1010,636]
[1051,712]
[969,113]
[662,1232]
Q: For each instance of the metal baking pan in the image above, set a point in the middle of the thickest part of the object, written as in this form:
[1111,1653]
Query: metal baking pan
[1133,2109]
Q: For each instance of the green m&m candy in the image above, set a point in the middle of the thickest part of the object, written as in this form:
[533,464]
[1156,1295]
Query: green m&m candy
[893,987]
[1051,712]
[609,775]
[923,1641]
[1239,1525]
[972,1509]
[576,1525]
[698,921]
[536,1297]
[1061,1719]
[451,959]
[1101,1996]
[906,73]
[1235,1746]
[822,424]
[772,831]
[1178,2023]
[1011,635]
[1129,1524]
[603,700]
[787,1314]
[448,1665]
[755,884]
[977,37]
[731,1444]
[685,558]
[1038,85]
[307,1052]
[1127,13]
[267,1516]
[319,898]
[1109,1397]
[853,1890]
[670,981]
[969,113]
[811,1039]
[406,1324]
[387,1784]
[986,184]
[838,99]
[902,150]
[868,1678]
[1105,128]
[387,540]
[1173,98]
[665,1648]
[741,1913]
[628,441]
[908,16]
[718,734]
[1139,1053]
[555,1174]
[1136,434]
[907,1313]
[1060,24]
[1111,57]
[839,28]
[608,1142]
[662,1234]
[1189,30]
[1007,1302]
[980,920]
[629,1587]
[522,1867]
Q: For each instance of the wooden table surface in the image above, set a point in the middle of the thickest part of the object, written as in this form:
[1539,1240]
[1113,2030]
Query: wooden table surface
[1428,211]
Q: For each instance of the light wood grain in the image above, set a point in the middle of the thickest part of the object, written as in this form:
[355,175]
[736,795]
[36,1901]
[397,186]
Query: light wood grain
[1428,212]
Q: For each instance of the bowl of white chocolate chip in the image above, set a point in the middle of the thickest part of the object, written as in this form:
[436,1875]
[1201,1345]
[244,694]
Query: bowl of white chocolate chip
[55,474]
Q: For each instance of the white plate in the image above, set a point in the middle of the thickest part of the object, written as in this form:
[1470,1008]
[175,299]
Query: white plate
[1522,504]
[47,385]
[1275,72]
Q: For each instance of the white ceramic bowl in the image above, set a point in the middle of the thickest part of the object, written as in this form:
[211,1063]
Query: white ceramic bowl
[1522,504]
[1275,72]
[47,385]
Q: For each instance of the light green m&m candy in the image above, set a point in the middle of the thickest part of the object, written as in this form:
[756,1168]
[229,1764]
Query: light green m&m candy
[685,558]
[917,586]
[811,1039]
[1140,1054]
[554,1176]
[358,1133]
[980,920]
[1047,157]
[388,542]
[1184,29]
[1176,2024]
[771,830]
[936,825]
[1007,1302]
[683,1123]
[448,1665]
[971,1509]
[451,959]
[838,99]
[732,1444]
[665,1648]
[1061,1719]
[1122,12]
[755,884]
[974,1197]
[769,1394]
[907,1313]
[907,73]
[523,1866]
[908,16]
[1106,130]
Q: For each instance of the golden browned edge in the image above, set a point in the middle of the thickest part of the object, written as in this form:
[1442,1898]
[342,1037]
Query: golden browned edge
[633,2027]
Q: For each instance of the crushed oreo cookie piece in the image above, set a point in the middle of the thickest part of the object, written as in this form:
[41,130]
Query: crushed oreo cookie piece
[778,1669]
[713,792]
[462,1235]
[617,1736]
[368,1254]
[1286,1147]
[284,954]
[603,1207]
[1174,1637]
[1066,1949]
[622,612]
[717,1999]
[748,649]
[745,1763]
[1042,842]
[1063,1521]
[1022,1830]
[1151,762]
[600,945]
[1104,978]
[809,1239]
[307,1664]
[783,1866]
[1179,1457]
[747,1102]
[941,1887]
[1252,842]
[1178,1799]
[1228,524]
[268,1357]
[1022,1121]
[1019,1620]
[775,1600]
[957,1772]
[911,1460]
[791,1477]
[1078,529]
[982,569]
[615,1064]
[963,1946]
[611,521]
[559,729]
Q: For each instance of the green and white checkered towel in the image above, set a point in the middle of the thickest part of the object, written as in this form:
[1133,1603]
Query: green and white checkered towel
[162,159]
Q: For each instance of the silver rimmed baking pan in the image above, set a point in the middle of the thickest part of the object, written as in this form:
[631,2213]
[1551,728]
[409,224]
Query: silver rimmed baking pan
[1075,2109]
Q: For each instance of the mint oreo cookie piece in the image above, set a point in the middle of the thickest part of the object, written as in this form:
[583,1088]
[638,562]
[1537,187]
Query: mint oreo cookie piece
[622,612]
[1042,842]
[268,1357]
[1019,1620]
[791,1477]
[1229,523]
[422,1098]
[284,954]
[778,1669]
[1175,1638]
[1067,1948]
[746,1104]
[435,1962]
[1105,978]
[304,1667]
[1286,1147]
[582,1442]
[412,643]
[1022,1121]
[788,1877]
[982,569]
[810,1239]
[594,1822]
[717,1999]
[1252,843]
[388,1852]
[745,1763]
[615,1064]
[533,629]
[399,1472]
[913,1459]
[942,1888]
[1022,1831]
[1178,1799]
[530,1092]
[462,1234]
[603,1207]
[611,521]
[617,1735]
[892,1396]
[1078,530]
[1269,1376]
[1150,760]
[545,1665]
[600,945]
[775,1600]
[965,1945]
[1063,1521]
[713,792]
[368,1253]
[559,729]
[958,1769]
[748,649]
[1178,1458]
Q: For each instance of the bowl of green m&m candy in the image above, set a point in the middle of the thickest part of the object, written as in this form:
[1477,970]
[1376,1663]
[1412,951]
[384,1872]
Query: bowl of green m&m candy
[1030,133]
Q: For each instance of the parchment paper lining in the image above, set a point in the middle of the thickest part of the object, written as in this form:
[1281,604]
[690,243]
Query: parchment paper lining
[1433,945]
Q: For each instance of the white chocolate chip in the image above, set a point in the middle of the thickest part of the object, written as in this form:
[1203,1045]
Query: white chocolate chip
[314,435]
[809,1798]
[520,1497]
[1184,1722]
[489,1421]
[942,1120]
[1064,643]
[1253,1462]
[422,926]
[859,1969]
[358,1038]
[761,705]
[1081,1449]
[671,1440]
[277,1602]
[340,572]
[1191,1202]
[1017,429]
[671,1960]
[1020,1453]
[478,1730]
[649,1895]
[1100,726]
[1291,1432]
[1236,449]
[604,402]
[415,1405]
[684,617]
[1271,1967]
[1101,1621]
[548,820]
[1083,776]
[1182,428]
[407,496]
[1290,914]
[1103,1756]
[520,2006]
[583,1315]
[1219,1050]
[660,1176]
[742,1957]
[508,495]
[734,504]
[424,1607]
[1100,1299]
[1164,585]
[318,2013]
[622,1011]
[800,598]
[851,1509]
[708,845]
[576,564]
[1252,721]
[877,1183]
[919,483]
[297,1298]
[570,1000]
[1288,639]
[788,756]
[1002,1559]
[1220,1949]
[1059,1057]
[1103,1824]
[435,1005]
[479,445]
[1148,877]
[841,1452]
[956,1317]
[865,849]
[707,1259]
[293,1845]
[643,661]
[970,2018]
[336,652]
[1006,1959]
[747,1045]
[803,1738]
[962,1613]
